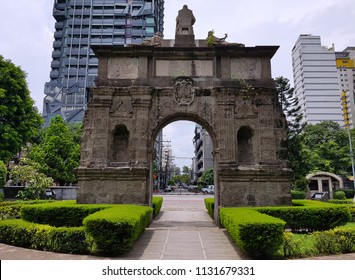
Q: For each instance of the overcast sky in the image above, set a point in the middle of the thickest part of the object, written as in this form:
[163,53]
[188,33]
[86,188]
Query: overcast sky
[26,36]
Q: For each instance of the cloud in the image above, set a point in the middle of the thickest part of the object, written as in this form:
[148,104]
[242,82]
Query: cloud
[26,39]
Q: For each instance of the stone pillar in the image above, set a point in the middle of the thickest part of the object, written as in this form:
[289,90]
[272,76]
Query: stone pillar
[226,126]
[141,102]
[100,105]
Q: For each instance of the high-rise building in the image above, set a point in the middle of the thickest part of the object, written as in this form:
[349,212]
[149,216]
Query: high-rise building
[203,158]
[81,24]
[316,80]
[346,76]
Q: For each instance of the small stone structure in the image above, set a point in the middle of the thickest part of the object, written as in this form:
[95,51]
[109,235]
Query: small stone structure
[227,89]
[324,182]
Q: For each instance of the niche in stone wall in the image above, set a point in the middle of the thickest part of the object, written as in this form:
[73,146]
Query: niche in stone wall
[120,143]
[245,145]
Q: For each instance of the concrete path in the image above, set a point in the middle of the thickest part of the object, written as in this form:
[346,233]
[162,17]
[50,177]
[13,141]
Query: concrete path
[184,231]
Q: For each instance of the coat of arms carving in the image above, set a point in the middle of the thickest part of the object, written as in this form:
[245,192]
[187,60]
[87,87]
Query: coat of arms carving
[184,91]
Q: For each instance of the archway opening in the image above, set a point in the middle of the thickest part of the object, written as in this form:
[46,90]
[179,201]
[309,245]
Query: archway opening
[183,159]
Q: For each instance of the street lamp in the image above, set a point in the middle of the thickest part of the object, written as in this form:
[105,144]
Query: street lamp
[344,105]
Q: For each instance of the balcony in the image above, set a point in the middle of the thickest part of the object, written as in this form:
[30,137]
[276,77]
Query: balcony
[59,15]
[138,22]
[59,25]
[57,44]
[55,64]
[137,32]
[56,54]
[120,31]
[58,34]
[54,74]
[94,61]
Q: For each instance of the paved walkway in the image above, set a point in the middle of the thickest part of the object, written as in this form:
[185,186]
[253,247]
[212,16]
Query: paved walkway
[182,231]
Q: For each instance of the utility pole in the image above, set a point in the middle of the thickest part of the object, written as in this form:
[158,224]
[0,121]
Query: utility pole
[344,104]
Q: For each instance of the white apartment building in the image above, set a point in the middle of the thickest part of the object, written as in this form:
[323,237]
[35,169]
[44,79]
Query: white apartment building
[316,82]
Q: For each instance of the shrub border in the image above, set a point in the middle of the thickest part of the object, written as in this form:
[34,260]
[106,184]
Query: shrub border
[67,237]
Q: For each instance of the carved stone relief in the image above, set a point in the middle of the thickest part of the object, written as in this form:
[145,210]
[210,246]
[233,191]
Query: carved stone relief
[122,68]
[184,91]
[246,68]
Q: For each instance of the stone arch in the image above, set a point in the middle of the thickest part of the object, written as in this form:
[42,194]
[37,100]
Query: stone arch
[182,116]
[120,144]
[139,90]
[245,149]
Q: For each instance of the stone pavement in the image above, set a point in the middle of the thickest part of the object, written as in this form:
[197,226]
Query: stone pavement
[182,231]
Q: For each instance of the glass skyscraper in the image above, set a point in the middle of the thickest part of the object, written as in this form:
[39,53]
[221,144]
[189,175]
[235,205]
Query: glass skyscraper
[84,23]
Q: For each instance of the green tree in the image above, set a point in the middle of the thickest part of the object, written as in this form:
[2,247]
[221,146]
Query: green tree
[3,173]
[19,119]
[35,182]
[290,106]
[186,170]
[58,154]
[208,177]
[326,148]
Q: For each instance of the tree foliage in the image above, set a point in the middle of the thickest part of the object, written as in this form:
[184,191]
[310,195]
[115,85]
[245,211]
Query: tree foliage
[326,148]
[35,182]
[292,111]
[3,173]
[290,106]
[58,154]
[19,119]
[208,177]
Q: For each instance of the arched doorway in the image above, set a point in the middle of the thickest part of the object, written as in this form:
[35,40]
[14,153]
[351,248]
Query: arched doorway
[196,120]
[226,89]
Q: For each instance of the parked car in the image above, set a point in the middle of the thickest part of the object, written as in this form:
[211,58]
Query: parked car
[208,190]
[168,189]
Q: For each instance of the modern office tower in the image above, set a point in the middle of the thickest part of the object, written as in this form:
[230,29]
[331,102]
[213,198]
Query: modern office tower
[346,76]
[203,158]
[81,24]
[316,80]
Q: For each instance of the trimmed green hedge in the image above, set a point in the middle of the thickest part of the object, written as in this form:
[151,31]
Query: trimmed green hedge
[209,203]
[310,218]
[108,229]
[297,194]
[259,231]
[43,237]
[11,209]
[349,193]
[352,212]
[259,235]
[59,214]
[113,231]
[157,204]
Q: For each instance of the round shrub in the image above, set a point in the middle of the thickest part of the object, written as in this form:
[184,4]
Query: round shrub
[339,195]
[349,193]
[298,194]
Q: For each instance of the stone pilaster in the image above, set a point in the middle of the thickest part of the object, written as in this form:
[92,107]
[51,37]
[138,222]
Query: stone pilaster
[226,125]
[141,103]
